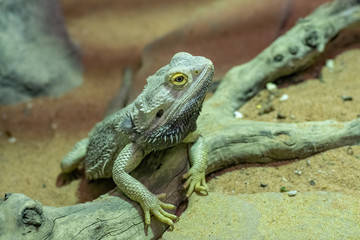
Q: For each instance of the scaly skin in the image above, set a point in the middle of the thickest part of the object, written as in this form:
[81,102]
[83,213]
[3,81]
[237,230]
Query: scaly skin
[163,115]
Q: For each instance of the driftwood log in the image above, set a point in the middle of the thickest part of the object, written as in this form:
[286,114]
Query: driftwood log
[230,141]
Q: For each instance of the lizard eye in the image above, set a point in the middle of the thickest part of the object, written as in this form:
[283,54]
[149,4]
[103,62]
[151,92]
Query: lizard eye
[178,79]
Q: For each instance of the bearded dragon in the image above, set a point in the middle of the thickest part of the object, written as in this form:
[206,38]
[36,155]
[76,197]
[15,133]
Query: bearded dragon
[163,115]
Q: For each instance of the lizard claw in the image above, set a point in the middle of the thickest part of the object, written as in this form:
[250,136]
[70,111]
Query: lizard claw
[195,181]
[153,205]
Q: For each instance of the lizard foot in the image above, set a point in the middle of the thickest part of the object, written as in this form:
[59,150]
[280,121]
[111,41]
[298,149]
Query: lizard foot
[64,179]
[153,205]
[195,181]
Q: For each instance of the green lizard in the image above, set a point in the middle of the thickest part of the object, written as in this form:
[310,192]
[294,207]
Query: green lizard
[163,115]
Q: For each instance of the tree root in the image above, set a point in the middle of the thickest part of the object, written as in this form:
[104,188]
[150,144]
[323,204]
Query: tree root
[290,53]
[242,141]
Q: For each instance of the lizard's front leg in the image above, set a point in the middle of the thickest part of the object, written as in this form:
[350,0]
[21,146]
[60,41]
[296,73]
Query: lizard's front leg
[128,159]
[198,157]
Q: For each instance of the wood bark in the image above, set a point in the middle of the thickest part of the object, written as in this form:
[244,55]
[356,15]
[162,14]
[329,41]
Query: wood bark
[230,141]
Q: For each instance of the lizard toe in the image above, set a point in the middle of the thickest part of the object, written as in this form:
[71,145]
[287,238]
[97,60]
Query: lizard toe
[154,206]
[195,182]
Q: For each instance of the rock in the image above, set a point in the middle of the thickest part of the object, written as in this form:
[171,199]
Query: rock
[271,87]
[284,97]
[269,216]
[238,115]
[346,98]
[36,55]
[280,116]
[292,193]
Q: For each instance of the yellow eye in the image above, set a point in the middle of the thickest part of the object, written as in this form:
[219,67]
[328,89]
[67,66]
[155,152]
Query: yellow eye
[178,79]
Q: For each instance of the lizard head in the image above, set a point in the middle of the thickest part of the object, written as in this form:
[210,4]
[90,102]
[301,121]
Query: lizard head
[167,109]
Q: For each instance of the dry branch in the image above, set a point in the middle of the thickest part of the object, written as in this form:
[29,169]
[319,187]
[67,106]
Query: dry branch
[230,141]
[295,50]
[263,142]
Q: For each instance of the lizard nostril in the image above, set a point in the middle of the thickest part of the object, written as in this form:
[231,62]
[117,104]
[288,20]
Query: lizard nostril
[160,113]
[7,195]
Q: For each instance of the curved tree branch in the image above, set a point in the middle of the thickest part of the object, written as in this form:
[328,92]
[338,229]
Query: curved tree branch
[263,142]
[290,53]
